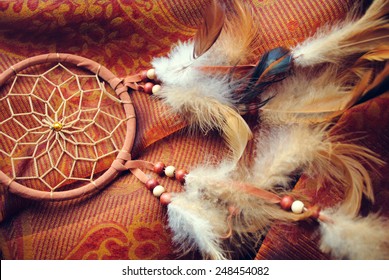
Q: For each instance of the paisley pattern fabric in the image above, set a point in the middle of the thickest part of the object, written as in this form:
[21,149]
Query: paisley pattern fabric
[124,221]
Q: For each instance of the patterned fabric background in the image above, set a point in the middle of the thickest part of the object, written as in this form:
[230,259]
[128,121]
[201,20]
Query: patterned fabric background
[124,221]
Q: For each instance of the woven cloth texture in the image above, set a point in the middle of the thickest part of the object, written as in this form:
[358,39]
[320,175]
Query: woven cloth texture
[124,221]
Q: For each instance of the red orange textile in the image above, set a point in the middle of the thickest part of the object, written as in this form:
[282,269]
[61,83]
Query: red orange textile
[124,221]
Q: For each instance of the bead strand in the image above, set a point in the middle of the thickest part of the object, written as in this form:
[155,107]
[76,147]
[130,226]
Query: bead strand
[288,203]
[148,77]
[157,189]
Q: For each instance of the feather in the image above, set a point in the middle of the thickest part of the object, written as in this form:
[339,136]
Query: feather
[321,96]
[211,111]
[267,72]
[208,101]
[311,97]
[348,237]
[378,86]
[196,225]
[284,151]
[292,149]
[235,131]
[352,37]
[229,209]
[197,219]
[346,166]
[210,30]
[238,42]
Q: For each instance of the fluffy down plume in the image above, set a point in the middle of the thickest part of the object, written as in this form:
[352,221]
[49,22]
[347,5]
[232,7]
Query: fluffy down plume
[197,220]
[352,37]
[196,224]
[284,151]
[358,238]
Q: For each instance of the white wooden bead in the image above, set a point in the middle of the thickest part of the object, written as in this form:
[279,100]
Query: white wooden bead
[156,89]
[150,74]
[158,191]
[297,207]
[169,171]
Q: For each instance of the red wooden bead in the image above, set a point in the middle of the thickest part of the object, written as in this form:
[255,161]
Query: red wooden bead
[151,184]
[315,211]
[180,175]
[165,198]
[148,88]
[159,167]
[286,202]
[143,76]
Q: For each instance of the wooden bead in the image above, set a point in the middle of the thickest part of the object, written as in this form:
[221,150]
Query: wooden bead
[151,184]
[165,198]
[180,175]
[148,88]
[315,211]
[253,110]
[155,89]
[159,167]
[143,75]
[151,74]
[169,171]
[286,202]
[158,191]
[297,207]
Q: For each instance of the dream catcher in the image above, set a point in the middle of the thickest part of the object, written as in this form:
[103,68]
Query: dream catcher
[62,142]
[68,126]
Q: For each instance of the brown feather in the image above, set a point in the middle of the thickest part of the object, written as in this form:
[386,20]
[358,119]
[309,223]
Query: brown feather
[347,165]
[208,33]
[235,130]
[239,39]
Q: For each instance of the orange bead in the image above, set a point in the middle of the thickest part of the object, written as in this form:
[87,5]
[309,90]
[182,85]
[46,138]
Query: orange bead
[180,175]
[151,184]
[165,198]
[148,88]
[159,168]
[315,211]
[286,202]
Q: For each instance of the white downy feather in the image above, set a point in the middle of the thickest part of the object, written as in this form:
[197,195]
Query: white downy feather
[206,102]
[192,225]
[356,238]
[196,219]
[283,151]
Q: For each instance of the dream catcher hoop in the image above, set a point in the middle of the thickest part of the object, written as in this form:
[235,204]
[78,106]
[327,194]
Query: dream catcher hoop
[51,123]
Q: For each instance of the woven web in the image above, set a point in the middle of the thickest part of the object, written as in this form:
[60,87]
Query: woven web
[58,127]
